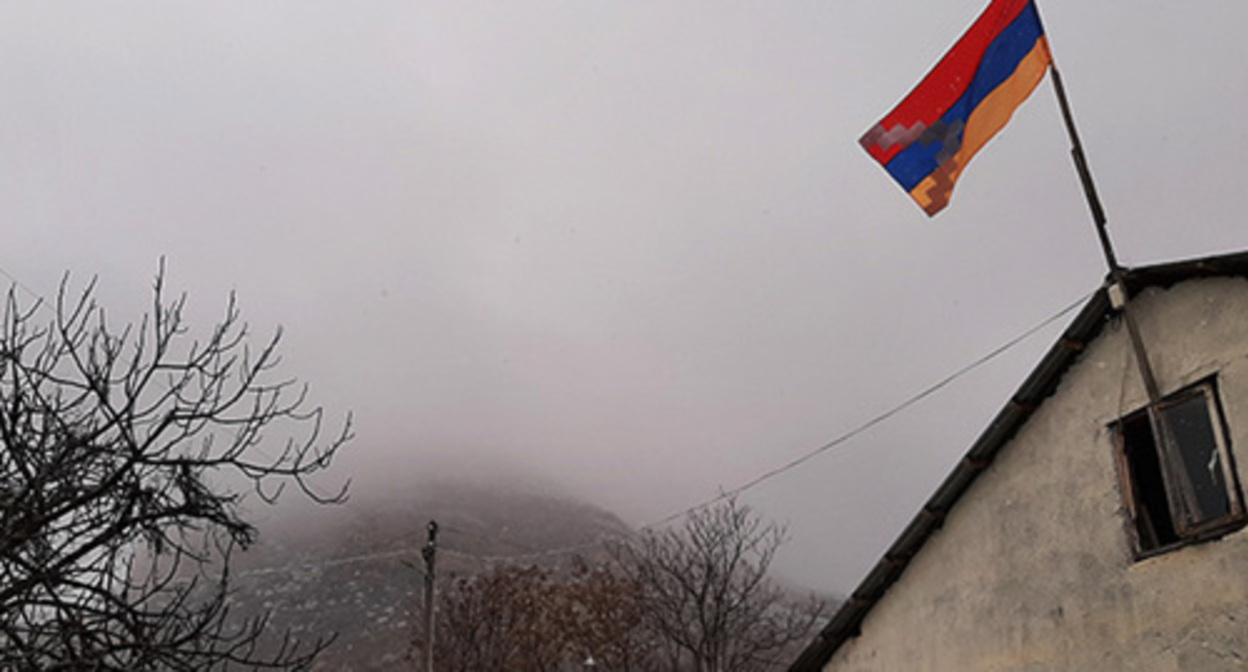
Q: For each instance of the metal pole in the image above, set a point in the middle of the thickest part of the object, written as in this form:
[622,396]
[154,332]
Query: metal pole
[429,553]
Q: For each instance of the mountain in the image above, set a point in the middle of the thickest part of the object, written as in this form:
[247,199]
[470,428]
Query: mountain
[356,569]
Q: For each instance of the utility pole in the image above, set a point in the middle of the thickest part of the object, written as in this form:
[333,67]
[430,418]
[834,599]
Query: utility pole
[429,553]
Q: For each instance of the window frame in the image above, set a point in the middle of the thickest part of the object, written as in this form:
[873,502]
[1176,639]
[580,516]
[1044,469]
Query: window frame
[1175,474]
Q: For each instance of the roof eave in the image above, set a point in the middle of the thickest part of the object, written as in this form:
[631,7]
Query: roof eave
[1038,386]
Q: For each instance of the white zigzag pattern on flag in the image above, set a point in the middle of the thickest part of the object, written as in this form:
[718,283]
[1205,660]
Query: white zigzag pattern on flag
[897,135]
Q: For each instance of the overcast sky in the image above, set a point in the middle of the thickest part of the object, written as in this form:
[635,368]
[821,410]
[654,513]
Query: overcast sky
[629,247]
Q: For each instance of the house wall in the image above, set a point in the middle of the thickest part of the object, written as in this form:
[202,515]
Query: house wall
[1034,568]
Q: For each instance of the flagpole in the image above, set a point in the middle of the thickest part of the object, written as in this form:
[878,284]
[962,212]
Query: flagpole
[1117,275]
[1085,174]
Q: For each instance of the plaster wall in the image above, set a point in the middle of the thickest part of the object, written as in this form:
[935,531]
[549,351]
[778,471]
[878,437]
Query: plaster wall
[1034,568]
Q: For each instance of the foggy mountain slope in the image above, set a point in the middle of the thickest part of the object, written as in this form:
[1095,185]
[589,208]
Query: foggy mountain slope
[356,569]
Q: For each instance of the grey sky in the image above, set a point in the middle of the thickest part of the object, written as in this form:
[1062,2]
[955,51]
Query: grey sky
[632,247]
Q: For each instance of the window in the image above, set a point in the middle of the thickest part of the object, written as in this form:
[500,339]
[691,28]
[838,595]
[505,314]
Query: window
[1182,489]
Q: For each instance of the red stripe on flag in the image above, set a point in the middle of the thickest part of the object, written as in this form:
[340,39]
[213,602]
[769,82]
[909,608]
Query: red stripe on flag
[945,83]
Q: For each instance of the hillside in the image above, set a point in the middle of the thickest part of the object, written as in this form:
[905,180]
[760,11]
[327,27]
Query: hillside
[356,569]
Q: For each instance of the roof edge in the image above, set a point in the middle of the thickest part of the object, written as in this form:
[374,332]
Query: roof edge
[1035,389]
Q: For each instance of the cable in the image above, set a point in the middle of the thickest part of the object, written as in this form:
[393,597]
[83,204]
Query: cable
[793,464]
[554,552]
[39,300]
[766,476]
[725,494]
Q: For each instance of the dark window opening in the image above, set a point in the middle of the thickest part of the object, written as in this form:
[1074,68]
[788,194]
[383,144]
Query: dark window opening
[1154,526]
[1182,488]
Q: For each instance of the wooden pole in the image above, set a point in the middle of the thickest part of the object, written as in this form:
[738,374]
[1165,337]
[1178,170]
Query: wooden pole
[1117,276]
[1085,174]
[1183,500]
[429,553]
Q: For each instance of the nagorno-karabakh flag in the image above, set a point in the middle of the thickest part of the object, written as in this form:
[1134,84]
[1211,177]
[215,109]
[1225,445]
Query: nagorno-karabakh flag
[927,140]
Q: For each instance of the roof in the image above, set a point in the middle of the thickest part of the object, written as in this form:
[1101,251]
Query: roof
[1037,387]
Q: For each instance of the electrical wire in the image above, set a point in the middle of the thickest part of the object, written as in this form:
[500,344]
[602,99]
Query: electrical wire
[881,418]
[724,494]
[39,300]
[765,476]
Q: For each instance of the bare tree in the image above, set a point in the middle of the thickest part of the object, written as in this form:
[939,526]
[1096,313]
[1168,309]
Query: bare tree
[603,620]
[706,594]
[124,455]
[500,620]
[530,619]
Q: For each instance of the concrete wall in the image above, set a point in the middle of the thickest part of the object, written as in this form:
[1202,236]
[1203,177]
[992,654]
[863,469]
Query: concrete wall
[1034,568]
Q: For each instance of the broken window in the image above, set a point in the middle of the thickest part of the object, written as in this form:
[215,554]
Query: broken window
[1182,488]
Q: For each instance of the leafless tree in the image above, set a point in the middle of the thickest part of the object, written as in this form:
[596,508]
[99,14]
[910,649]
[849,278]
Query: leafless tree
[125,454]
[502,619]
[603,620]
[707,596]
[531,619]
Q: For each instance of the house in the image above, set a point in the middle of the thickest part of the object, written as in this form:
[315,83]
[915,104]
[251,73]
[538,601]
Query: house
[1069,537]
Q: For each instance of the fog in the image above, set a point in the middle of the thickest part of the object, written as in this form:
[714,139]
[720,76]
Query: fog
[627,251]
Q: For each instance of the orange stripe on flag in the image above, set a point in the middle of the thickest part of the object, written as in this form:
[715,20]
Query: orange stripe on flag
[990,116]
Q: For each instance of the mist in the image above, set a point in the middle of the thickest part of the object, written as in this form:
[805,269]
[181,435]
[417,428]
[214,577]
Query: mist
[624,252]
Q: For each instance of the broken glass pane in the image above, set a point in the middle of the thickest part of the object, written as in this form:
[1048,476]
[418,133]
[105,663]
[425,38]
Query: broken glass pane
[1189,422]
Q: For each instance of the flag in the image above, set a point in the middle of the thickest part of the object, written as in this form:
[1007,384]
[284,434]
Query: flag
[927,140]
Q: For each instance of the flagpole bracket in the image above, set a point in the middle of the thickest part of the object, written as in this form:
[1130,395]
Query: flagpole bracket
[1117,293]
